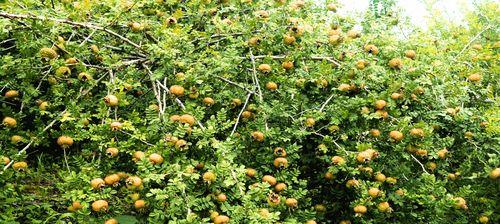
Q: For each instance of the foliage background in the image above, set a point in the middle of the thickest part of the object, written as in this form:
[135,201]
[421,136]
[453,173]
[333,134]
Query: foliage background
[209,45]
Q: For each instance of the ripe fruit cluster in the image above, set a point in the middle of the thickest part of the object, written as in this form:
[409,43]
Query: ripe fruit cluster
[244,112]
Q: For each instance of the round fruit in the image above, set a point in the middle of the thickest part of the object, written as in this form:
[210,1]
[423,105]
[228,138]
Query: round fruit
[71,61]
[16,139]
[5,160]
[273,199]
[9,122]
[494,174]
[484,219]
[352,183]
[272,86]
[396,96]
[139,204]
[396,63]
[474,77]
[116,125]
[344,87]
[373,192]
[112,179]
[112,152]
[311,222]
[264,68]
[279,152]
[177,90]
[43,106]
[258,136]
[209,177]
[155,158]
[11,94]
[65,141]
[361,64]
[235,102]
[180,144]
[338,160]
[136,27]
[360,209]
[48,53]
[329,176]
[100,205]
[221,197]
[380,177]
[138,155]
[19,166]
[310,122]
[288,39]
[417,132]
[84,76]
[410,54]
[353,34]
[111,100]
[97,183]
[331,7]
[269,179]
[291,202]
[94,48]
[287,65]
[134,182]
[280,187]
[63,71]
[396,135]
[371,49]
[171,21]
[460,203]
[208,101]
[254,41]
[187,119]
[251,172]
[375,132]
[442,153]
[111,221]
[280,162]
[76,205]
[380,104]
[221,219]
[384,206]
[363,157]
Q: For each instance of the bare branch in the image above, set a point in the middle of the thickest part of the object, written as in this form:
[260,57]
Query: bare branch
[254,73]
[241,112]
[422,165]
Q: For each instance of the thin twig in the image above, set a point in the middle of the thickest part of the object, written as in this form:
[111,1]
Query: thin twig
[472,40]
[254,73]
[234,83]
[422,165]
[241,112]
[326,102]
[131,135]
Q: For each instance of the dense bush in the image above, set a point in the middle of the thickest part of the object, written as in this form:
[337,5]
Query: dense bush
[246,112]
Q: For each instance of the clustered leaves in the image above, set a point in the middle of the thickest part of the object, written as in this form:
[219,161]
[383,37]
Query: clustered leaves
[245,112]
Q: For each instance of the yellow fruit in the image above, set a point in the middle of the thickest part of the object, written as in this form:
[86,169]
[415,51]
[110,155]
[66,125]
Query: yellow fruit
[360,209]
[187,119]
[71,61]
[94,49]
[484,219]
[287,65]
[391,180]
[136,27]
[43,106]
[19,166]
[310,122]
[258,136]
[344,87]
[374,192]
[380,104]
[115,125]
[329,176]
[288,39]
[16,139]
[396,96]
[280,187]
[156,158]
[5,160]
[269,179]
[417,132]
[84,76]
[133,182]
[112,152]
[111,221]
[76,205]
[410,54]
[97,183]
[221,219]
[280,162]
[460,203]
[375,132]
[11,94]
[63,71]
[264,68]
[371,49]
[135,196]
[297,31]
[65,141]
[209,177]
[111,100]
[396,63]
[139,204]
[138,155]
[262,14]
[236,102]
[494,174]
[272,86]
[112,179]
[180,144]
[273,199]
[254,41]
[396,135]
[384,207]
[353,34]
[338,160]
[311,222]
[363,157]
[250,172]
[474,77]
[48,53]
[380,177]
[171,21]
[221,197]
[331,7]
[100,205]
[291,202]
[9,122]
[361,64]
[208,101]
[352,183]
[177,90]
